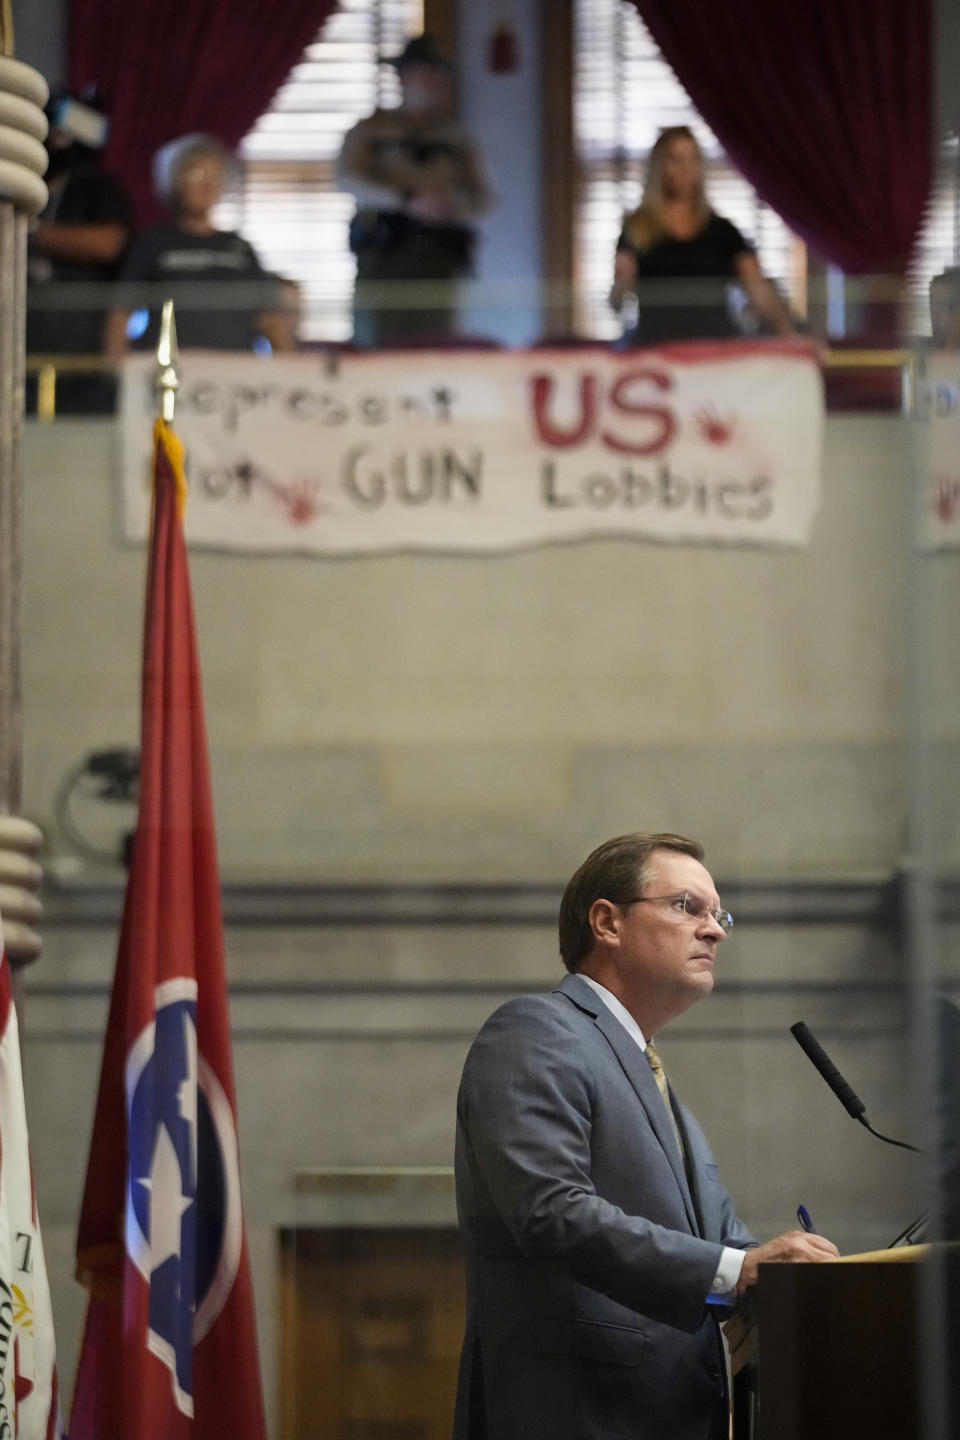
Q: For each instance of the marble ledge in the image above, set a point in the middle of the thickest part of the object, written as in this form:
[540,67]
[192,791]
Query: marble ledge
[91,899]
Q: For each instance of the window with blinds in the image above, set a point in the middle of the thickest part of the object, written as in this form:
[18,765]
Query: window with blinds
[939,245]
[288,205]
[624,94]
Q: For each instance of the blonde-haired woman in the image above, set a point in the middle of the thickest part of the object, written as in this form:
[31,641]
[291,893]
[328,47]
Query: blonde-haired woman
[679,256]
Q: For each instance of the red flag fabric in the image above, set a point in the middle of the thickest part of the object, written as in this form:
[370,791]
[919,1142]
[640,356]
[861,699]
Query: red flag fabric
[169,1348]
[28,1376]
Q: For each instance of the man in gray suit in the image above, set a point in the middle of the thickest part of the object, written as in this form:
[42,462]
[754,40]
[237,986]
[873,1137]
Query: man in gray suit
[596,1229]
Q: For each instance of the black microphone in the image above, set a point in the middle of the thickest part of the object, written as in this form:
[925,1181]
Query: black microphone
[844,1092]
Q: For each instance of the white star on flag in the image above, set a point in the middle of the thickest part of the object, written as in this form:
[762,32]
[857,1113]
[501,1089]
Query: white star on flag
[167,1200]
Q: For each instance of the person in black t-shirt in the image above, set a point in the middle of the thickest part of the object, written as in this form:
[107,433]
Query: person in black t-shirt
[679,256]
[74,249]
[223,298]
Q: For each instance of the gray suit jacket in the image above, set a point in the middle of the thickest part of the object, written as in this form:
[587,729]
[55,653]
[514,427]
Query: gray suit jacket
[589,1252]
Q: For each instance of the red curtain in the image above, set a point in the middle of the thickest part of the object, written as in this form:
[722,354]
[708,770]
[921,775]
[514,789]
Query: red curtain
[824,105]
[171,69]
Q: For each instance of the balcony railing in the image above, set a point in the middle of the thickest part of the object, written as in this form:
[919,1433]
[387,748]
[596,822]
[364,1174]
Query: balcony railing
[855,379]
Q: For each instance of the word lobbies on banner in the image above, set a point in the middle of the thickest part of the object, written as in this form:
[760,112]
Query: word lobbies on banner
[589,448]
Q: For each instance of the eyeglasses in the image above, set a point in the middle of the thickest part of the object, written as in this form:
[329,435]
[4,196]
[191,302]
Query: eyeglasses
[689,904]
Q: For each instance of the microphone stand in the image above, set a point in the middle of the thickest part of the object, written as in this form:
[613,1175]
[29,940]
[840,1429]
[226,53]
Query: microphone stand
[886,1138]
[913,1232]
[854,1106]
[915,1229]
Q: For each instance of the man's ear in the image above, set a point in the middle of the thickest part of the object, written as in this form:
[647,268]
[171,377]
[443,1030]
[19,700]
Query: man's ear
[605,921]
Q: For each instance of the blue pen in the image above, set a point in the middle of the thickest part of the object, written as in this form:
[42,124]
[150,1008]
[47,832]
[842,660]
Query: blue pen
[803,1215]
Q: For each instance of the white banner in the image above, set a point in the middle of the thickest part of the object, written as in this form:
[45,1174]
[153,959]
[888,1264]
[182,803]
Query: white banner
[939,400]
[487,450]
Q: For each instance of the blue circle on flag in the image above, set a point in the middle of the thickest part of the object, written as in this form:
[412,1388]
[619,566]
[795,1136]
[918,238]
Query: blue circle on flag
[180,1199]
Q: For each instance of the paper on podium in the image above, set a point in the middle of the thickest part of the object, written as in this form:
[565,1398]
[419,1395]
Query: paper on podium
[889,1256]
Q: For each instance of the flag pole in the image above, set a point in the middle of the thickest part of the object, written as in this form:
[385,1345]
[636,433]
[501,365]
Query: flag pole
[24,161]
[168,358]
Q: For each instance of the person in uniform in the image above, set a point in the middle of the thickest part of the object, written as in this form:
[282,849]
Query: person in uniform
[419,183]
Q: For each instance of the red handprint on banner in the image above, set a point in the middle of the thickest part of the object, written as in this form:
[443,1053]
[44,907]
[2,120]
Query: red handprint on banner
[300,499]
[946,497]
[714,428]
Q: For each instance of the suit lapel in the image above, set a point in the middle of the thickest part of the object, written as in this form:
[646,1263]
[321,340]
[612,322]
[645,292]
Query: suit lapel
[638,1072]
[694,1166]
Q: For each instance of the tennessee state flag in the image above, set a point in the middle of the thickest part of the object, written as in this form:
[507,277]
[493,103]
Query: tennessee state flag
[169,1349]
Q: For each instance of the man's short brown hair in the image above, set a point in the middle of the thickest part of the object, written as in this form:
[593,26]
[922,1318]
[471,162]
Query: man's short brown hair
[617,871]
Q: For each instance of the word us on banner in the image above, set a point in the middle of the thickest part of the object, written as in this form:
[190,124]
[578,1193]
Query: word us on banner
[486,451]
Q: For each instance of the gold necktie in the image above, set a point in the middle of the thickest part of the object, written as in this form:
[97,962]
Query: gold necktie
[656,1065]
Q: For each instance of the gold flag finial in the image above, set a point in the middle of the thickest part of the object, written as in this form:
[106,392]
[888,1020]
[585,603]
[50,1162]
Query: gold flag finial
[6,28]
[167,357]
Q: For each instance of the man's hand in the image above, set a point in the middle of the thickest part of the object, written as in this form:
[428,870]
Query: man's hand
[794,1248]
[20,877]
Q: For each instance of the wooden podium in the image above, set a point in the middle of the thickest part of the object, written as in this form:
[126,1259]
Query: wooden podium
[832,1351]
